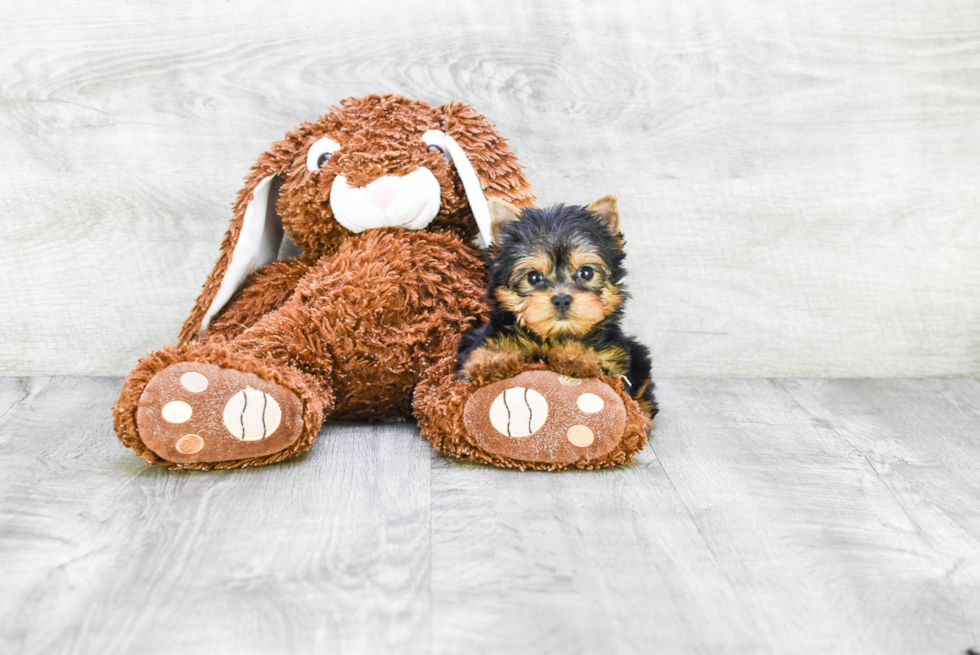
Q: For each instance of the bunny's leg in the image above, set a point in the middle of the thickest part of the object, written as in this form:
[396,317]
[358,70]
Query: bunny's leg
[265,291]
[351,342]
[238,398]
[213,405]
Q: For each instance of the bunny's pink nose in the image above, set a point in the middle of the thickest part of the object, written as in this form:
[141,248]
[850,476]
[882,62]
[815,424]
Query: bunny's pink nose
[383,190]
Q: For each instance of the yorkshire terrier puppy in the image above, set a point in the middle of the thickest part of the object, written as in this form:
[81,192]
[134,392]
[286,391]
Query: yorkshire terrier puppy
[557,295]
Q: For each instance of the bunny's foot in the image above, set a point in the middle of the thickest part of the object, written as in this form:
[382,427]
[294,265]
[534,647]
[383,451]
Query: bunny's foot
[192,412]
[537,419]
[547,418]
[201,415]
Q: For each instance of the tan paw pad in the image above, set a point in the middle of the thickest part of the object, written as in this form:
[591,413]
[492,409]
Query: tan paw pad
[538,416]
[192,412]
[190,444]
[580,436]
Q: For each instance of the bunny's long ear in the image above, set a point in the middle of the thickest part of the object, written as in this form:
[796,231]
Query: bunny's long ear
[484,161]
[252,240]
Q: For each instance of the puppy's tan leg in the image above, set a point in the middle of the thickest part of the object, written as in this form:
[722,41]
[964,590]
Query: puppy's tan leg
[486,365]
[575,360]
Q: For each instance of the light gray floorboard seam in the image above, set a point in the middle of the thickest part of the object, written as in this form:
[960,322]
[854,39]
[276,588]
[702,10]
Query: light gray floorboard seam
[27,392]
[891,492]
[888,487]
[842,437]
[707,544]
[14,406]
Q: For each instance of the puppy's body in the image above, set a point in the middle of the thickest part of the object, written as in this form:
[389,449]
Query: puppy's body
[556,292]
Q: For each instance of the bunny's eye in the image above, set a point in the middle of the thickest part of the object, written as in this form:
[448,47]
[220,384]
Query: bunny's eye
[434,147]
[436,141]
[319,153]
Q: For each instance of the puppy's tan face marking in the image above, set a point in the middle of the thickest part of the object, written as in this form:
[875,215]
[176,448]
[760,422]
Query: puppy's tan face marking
[539,283]
[536,262]
[539,315]
[511,300]
[581,257]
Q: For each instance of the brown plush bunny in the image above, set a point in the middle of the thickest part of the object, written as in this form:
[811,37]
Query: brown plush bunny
[383,198]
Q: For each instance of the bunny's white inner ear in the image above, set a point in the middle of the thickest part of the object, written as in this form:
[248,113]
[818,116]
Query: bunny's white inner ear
[258,244]
[471,181]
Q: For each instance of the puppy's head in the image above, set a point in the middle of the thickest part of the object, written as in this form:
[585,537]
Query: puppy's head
[558,270]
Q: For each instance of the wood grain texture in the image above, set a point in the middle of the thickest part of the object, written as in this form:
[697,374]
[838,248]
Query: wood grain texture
[584,562]
[796,504]
[798,180]
[767,516]
[101,554]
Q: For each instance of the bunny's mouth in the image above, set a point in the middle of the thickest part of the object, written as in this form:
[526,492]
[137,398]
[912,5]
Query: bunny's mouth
[409,202]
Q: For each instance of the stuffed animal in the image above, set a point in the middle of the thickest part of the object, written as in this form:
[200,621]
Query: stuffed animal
[359,312]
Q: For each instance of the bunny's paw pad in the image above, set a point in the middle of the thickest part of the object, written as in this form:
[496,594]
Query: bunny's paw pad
[192,413]
[546,418]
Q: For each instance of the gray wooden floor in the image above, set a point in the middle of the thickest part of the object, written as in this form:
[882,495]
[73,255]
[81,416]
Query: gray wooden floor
[786,516]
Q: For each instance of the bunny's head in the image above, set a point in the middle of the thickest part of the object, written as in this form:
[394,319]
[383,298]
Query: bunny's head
[378,162]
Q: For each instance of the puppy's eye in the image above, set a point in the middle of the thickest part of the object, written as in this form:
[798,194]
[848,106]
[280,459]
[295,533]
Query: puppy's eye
[319,153]
[534,278]
[586,273]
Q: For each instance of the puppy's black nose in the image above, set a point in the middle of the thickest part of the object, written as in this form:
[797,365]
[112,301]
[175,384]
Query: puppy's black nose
[562,302]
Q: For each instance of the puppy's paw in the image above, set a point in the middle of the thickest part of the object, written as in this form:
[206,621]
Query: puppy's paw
[485,366]
[575,362]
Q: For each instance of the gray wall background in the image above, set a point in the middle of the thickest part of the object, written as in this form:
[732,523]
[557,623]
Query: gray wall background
[800,181]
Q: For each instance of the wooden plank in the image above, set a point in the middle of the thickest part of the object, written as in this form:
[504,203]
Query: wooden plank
[798,181]
[14,391]
[827,554]
[100,553]
[922,439]
[581,562]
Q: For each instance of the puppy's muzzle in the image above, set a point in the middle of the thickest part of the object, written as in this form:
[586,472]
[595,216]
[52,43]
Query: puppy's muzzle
[562,303]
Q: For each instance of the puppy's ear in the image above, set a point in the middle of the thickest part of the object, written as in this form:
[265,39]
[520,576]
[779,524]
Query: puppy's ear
[606,210]
[501,213]
[254,234]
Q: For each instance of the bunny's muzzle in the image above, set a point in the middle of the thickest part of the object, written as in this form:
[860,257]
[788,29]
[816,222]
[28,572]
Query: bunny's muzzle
[410,201]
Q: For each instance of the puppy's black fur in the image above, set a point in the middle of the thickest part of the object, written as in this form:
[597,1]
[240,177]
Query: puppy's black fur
[558,239]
